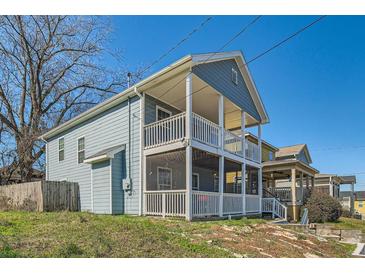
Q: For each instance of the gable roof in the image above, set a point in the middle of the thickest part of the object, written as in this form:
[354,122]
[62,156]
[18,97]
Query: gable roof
[185,62]
[293,150]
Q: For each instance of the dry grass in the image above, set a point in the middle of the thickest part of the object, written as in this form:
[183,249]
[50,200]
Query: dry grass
[86,235]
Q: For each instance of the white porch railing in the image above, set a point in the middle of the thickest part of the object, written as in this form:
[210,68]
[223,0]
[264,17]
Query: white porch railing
[252,151]
[232,203]
[284,194]
[232,143]
[165,203]
[252,203]
[205,203]
[165,131]
[205,131]
[272,205]
[173,129]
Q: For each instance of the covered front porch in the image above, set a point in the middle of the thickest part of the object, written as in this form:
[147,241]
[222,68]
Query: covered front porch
[290,181]
[217,188]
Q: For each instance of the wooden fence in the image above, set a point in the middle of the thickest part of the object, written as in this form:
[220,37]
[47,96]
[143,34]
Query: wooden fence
[40,196]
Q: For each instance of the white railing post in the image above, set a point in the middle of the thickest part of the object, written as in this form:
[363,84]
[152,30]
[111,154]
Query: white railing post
[163,205]
[189,152]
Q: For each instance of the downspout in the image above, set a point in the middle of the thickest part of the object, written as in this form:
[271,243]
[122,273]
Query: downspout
[141,152]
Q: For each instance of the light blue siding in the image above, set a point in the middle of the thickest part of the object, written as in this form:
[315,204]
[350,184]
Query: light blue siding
[101,187]
[103,131]
[118,174]
[150,109]
[219,76]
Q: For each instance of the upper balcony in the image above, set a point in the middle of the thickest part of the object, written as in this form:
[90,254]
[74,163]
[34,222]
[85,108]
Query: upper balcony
[173,129]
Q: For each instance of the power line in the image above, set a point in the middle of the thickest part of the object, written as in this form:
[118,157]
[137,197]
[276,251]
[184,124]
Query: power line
[187,37]
[214,53]
[287,39]
[264,52]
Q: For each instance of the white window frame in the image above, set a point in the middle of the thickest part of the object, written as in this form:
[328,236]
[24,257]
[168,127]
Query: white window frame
[163,109]
[58,144]
[197,175]
[158,176]
[77,149]
[234,76]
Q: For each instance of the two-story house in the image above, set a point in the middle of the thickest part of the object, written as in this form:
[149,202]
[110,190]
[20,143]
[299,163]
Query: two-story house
[168,145]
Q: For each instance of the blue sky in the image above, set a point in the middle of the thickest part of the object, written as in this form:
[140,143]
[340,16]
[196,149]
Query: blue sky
[312,86]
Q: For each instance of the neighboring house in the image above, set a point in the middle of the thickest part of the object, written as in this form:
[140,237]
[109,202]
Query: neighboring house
[331,183]
[287,173]
[359,203]
[10,176]
[348,198]
[289,176]
[167,145]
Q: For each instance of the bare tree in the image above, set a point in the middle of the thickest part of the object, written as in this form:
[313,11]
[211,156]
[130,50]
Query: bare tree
[50,70]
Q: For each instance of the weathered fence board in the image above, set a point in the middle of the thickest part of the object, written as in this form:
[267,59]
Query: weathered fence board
[40,196]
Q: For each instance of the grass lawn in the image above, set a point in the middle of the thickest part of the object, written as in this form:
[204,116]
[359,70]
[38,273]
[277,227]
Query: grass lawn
[24,234]
[349,223]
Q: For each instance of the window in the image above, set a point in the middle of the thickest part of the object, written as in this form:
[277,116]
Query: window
[360,204]
[271,155]
[216,183]
[195,183]
[164,178]
[162,113]
[81,150]
[61,149]
[234,76]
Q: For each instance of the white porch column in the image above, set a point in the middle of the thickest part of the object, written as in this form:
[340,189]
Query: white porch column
[301,186]
[307,181]
[221,183]
[259,141]
[352,205]
[243,171]
[243,185]
[221,158]
[293,192]
[331,187]
[221,121]
[189,151]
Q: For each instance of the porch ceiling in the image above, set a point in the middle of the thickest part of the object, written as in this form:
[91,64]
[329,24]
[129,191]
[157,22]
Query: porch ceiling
[282,168]
[205,99]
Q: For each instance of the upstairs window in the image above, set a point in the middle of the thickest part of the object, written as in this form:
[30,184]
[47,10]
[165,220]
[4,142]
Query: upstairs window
[61,149]
[234,76]
[81,150]
[271,156]
[162,113]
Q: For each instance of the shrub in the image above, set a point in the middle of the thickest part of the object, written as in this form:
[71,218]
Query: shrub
[323,208]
